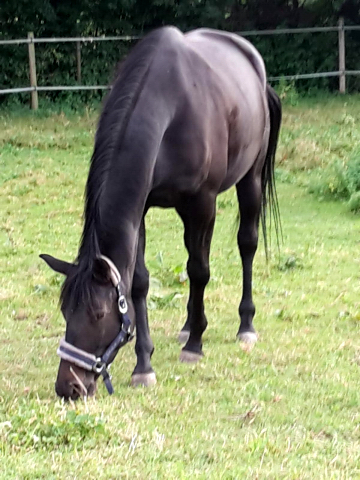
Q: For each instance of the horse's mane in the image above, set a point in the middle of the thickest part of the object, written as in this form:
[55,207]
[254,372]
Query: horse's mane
[126,88]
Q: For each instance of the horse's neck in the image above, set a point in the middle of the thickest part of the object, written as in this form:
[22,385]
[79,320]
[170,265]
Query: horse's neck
[128,184]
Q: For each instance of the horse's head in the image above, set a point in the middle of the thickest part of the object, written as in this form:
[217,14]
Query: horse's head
[89,303]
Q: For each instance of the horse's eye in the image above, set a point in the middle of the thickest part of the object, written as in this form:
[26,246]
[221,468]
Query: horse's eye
[99,315]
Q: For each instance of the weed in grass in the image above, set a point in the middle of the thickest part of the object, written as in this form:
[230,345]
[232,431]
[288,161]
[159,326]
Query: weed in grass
[288,93]
[167,275]
[289,263]
[30,429]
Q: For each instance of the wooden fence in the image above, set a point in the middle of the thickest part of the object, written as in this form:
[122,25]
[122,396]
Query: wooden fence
[341,73]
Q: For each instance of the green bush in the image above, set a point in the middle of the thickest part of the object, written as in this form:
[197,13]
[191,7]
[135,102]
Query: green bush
[354,202]
[339,181]
[353,173]
[331,182]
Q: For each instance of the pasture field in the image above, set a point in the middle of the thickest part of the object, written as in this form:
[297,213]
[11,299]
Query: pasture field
[287,409]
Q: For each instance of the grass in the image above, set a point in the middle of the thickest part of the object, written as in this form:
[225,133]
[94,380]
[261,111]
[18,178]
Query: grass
[317,132]
[287,409]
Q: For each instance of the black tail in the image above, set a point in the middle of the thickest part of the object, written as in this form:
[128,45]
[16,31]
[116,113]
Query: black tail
[269,195]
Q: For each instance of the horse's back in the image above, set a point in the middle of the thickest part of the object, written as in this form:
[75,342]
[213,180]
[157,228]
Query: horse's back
[210,86]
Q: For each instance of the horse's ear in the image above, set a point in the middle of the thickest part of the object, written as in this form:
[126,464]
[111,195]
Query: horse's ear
[101,271]
[58,265]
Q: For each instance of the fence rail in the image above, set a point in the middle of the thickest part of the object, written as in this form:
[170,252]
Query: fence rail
[125,38]
[247,33]
[34,88]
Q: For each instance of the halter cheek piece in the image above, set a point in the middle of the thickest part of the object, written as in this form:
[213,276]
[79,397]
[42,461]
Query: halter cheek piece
[88,361]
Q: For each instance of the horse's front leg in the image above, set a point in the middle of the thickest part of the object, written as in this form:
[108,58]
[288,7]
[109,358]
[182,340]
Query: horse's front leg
[198,216]
[143,373]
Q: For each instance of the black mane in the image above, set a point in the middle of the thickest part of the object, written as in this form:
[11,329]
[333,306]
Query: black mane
[126,87]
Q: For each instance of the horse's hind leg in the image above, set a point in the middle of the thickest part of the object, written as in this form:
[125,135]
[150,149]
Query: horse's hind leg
[249,192]
[143,373]
[198,216]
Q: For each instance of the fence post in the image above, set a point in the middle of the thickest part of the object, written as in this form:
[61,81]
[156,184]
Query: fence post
[78,61]
[342,79]
[32,68]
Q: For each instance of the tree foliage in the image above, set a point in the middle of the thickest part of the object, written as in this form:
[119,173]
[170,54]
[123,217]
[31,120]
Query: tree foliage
[63,18]
[97,17]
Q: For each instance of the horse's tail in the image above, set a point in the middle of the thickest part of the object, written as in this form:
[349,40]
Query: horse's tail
[269,195]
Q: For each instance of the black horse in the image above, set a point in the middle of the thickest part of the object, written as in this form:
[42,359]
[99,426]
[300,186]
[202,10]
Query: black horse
[188,116]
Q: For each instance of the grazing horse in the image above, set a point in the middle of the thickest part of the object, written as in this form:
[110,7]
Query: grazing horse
[188,116]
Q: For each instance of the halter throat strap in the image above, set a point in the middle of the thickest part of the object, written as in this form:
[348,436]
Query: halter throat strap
[88,361]
[114,272]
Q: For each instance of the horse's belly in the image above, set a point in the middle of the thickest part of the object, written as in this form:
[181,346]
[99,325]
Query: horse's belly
[235,174]
[240,161]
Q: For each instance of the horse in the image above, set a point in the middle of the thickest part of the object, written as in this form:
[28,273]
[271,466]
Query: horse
[187,117]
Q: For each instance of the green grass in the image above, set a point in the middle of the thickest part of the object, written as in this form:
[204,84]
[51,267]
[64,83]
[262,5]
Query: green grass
[287,409]
[317,132]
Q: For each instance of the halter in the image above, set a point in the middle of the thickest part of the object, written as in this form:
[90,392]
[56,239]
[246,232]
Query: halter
[88,361]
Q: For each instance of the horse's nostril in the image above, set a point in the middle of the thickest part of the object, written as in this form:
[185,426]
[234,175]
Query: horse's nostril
[77,391]
[91,389]
[68,390]
[71,388]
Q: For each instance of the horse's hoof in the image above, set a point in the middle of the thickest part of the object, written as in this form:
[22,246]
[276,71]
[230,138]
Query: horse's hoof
[247,337]
[143,379]
[183,336]
[189,357]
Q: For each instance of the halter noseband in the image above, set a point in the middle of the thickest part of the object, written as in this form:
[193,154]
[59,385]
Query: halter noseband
[88,361]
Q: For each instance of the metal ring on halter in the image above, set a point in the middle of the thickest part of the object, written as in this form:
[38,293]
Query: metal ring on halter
[123,308]
[99,366]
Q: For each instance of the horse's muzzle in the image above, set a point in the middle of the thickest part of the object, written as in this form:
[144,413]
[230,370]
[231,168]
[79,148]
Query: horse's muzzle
[73,382]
